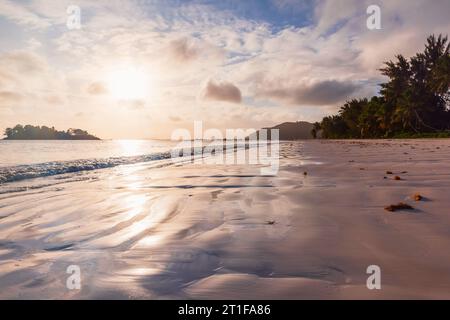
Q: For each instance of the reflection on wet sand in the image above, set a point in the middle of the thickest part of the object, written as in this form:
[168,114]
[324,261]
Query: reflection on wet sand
[137,233]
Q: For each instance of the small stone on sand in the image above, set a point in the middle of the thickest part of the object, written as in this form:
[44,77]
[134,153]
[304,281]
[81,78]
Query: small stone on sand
[399,206]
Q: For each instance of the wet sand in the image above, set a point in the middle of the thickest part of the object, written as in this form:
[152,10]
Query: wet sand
[191,231]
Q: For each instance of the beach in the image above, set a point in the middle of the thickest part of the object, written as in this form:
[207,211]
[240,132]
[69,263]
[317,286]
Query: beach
[161,230]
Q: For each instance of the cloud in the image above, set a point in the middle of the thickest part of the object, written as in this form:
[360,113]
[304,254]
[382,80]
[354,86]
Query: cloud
[5,78]
[320,93]
[97,88]
[23,62]
[182,50]
[22,15]
[224,91]
[175,118]
[8,97]
[33,44]
[54,100]
[26,79]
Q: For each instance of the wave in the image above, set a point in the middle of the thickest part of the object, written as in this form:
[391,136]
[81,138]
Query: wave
[23,172]
[31,171]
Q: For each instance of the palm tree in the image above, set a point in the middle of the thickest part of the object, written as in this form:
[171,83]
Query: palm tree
[415,99]
[315,129]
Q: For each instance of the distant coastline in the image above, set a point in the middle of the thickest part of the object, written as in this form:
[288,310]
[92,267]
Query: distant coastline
[29,132]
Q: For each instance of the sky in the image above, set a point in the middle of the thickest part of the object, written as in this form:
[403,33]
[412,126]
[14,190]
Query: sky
[141,69]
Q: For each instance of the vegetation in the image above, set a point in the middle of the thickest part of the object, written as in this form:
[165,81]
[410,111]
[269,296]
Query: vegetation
[29,132]
[415,102]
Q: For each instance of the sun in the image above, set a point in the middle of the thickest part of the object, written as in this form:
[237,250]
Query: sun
[129,83]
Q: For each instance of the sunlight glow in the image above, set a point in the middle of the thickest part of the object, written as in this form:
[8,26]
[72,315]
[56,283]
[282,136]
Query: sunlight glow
[129,83]
[131,147]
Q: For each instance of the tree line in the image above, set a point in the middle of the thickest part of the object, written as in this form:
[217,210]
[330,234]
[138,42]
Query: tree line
[415,101]
[29,132]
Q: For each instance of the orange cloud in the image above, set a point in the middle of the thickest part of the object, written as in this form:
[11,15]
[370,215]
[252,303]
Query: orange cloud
[97,88]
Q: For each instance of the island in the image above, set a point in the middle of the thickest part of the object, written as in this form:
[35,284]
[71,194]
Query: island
[29,132]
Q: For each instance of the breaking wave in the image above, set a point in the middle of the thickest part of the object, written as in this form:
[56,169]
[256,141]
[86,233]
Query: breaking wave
[30,171]
[23,172]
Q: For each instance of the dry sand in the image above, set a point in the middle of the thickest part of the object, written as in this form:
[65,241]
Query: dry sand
[225,232]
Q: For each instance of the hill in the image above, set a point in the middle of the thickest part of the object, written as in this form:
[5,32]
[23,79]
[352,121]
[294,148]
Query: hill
[292,130]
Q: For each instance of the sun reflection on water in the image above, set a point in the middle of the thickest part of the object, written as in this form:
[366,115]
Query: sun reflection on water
[131,147]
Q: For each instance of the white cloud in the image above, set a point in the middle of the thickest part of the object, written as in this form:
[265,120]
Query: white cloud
[22,15]
[27,79]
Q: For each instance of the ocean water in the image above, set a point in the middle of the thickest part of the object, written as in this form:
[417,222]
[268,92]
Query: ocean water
[23,160]
[20,160]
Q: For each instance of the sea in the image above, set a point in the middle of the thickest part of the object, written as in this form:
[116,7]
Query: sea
[26,159]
